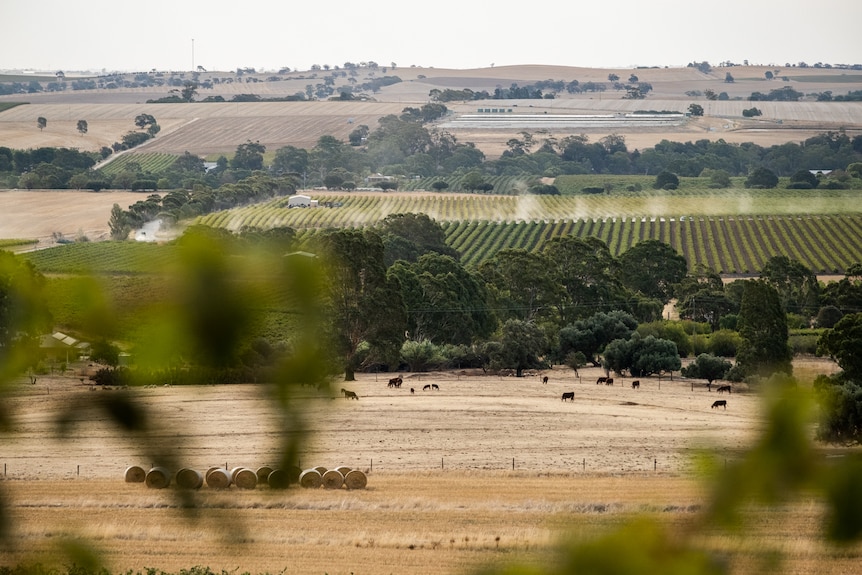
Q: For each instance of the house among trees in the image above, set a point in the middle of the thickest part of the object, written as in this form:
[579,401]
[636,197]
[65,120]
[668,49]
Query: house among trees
[64,347]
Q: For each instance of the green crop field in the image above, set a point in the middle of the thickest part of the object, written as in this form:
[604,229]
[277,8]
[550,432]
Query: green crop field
[826,244]
[733,232]
[150,163]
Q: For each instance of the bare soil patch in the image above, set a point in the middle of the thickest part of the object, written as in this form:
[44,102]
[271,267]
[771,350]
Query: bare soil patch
[39,214]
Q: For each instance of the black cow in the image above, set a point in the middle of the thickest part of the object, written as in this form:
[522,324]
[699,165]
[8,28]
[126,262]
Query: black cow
[435,386]
[609,381]
[601,380]
[719,403]
[545,379]
[426,387]
[724,388]
[636,384]
[395,382]
[568,395]
[412,390]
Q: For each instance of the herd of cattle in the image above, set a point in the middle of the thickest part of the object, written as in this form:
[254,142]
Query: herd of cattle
[396,382]
[636,384]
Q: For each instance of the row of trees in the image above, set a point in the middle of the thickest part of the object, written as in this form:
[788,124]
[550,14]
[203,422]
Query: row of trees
[558,300]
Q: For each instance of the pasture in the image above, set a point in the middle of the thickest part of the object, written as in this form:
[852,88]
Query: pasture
[485,470]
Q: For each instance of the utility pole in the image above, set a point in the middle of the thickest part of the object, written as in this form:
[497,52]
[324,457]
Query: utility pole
[193,54]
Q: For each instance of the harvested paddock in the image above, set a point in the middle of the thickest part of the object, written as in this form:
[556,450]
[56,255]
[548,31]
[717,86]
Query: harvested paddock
[441,488]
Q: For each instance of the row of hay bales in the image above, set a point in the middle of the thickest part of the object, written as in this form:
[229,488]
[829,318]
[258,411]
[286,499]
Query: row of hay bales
[246,478]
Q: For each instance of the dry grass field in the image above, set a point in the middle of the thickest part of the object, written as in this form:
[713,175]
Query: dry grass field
[39,215]
[442,494]
[217,128]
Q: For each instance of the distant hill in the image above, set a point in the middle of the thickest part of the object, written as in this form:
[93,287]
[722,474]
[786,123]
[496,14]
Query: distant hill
[216,128]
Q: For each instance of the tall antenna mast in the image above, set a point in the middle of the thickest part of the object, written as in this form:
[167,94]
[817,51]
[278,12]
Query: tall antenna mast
[193,54]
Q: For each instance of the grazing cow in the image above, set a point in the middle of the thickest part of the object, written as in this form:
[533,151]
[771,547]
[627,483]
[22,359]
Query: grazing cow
[601,380]
[609,381]
[435,386]
[427,387]
[395,382]
[719,403]
[349,394]
[724,388]
[545,379]
[636,384]
[568,395]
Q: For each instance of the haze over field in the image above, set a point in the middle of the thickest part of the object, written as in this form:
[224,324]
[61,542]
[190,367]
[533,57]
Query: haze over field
[98,35]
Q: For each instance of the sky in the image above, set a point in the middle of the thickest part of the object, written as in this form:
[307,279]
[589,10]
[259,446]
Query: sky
[179,35]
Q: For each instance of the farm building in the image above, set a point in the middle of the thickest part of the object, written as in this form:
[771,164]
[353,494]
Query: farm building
[300,201]
[61,346]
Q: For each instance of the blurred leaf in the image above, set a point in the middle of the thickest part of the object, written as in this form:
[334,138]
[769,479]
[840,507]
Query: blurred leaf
[843,521]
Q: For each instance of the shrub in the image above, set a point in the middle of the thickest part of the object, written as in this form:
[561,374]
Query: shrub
[666,181]
[96,186]
[724,343]
[593,190]
[142,185]
[828,316]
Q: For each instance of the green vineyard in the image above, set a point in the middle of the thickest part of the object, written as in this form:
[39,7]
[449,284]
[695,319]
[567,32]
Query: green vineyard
[826,244]
[149,163]
[733,232]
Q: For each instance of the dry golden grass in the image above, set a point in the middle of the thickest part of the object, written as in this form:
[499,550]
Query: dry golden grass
[414,517]
[40,214]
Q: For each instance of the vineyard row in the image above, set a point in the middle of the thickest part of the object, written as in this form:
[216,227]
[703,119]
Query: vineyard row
[826,244]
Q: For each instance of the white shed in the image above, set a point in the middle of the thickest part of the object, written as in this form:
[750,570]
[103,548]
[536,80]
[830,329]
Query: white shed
[298,201]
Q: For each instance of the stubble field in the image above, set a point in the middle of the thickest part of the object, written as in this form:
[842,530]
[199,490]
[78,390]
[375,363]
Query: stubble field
[486,469]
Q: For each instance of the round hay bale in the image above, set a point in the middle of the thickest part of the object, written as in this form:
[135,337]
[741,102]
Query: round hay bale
[321,470]
[343,469]
[355,480]
[135,474]
[278,479]
[158,478]
[263,473]
[188,478]
[219,478]
[310,478]
[210,470]
[233,473]
[332,479]
[245,478]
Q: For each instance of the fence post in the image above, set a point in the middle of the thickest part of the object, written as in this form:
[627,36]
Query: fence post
[655,464]
[513,464]
[441,463]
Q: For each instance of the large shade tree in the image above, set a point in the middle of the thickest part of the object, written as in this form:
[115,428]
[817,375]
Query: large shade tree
[365,307]
[586,276]
[763,327]
[446,304]
[653,268]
